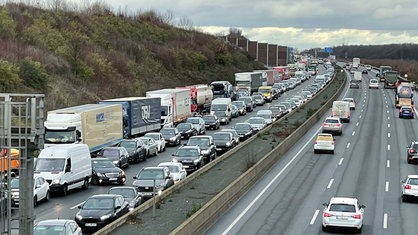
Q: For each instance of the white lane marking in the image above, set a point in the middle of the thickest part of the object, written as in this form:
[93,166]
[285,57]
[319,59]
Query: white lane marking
[76,206]
[353,133]
[330,183]
[314,217]
[387,111]
[388,117]
[268,185]
[363,105]
[348,145]
[386,102]
[341,161]
[388,146]
[387,186]
[388,125]
[357,124]
[361,110]
[359,116]
[388,135]
[388,163]
[385,220]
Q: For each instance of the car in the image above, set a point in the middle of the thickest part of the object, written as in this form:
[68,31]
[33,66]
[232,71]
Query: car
[234,135]
[206,144]
[332,125]
[257,123]
[118,155]
[259,100]
[406,112]
[412,152]
[104,172]
[187,130]
[278,111]
[159,139]
[171,136]
[177,170]
[287,105]
[248,102]
[57,226]
[100,210]
[224,141]
[364,71]
[355,84]
[268,115]
[368,67]
[324,142]
[198,123]
[351,101]
[150,145]
[145,179]
[409,188]
[211,121]
[223,117]
[244,130]
[40,190]
[234,111]
[343,212]
[241,107]
[131,195]
[307,93]
[374,83]
[190,156]
[135,148]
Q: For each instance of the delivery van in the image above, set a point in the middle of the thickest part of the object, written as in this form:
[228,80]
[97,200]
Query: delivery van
[65,167]
[341,109]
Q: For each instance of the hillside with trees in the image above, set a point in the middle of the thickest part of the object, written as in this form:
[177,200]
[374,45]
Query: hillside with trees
[83,56]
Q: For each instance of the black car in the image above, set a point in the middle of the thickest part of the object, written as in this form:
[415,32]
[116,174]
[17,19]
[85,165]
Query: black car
[190,157]
[364,71]
[118,155]
[244,130]
[104,171]
[354,84]
[211,121]
[100,210]
[412,152]
[129,193]
[172,136]
[234,135]
[186,130]
[148,176]
[136,150]
[206,144]
[224,141]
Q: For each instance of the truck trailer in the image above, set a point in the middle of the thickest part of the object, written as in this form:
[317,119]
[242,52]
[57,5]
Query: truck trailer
[140,114]
[249,81]
[97,125]
[356,63]
[391,78]
[175,105]
[201,96]
[404,95]
[272,76]
[223,89]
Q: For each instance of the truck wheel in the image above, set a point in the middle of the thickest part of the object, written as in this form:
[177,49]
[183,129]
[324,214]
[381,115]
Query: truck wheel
[95,181]
[65,190]
[85,184]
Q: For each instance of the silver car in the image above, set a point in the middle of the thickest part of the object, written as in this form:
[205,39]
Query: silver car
[409,187]
[343,212]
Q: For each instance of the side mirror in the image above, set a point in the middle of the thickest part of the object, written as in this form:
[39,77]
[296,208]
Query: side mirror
[172,154]
[134,177]
[117,207]
[325,204]
[362,206]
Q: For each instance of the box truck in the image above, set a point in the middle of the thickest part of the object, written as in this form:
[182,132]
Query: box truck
[201,96]
[223,89]
[175,105]
[97,125]
[272,76]
[249,81]
[341,109]
[140,114]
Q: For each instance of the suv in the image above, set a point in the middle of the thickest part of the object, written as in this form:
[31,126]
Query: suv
[412,153]
[343,212]
[207,147]
[224,141]
[409,187]
[146,178]
[332,125]
[190,157]
[136,150]
[198,123]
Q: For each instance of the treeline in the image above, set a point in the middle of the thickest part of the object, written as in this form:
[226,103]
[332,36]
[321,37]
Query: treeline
[389,51]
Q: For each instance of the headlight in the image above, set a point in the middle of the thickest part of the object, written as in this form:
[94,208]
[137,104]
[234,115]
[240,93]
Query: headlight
[228,143]
[104,217]
[205,152]
[122,173]
[115,162]
[99,174]
[78,216]
[173,138]
[132,203]
[175,160]
[56,181]
[196,161]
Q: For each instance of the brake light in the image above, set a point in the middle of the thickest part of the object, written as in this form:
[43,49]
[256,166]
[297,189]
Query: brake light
[411,151]
[339,125]
[357,216]
[407,186]
[316,141]
[324,124]
[326,214]
[332,142]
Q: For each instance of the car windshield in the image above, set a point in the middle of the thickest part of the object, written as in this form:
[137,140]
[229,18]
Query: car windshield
[184,126]
[172,169]
[102,163]
[14,184]
[98,204]
[209,118]
[198,141]
[145,141]
[150,174]
[49,164]
[128,144]
[331,120]
[166,131]
[111,153]
[242,127]
[124,192]
[48,229]
[193,120]
[154,136]
[185,152]
[220,114]
[238,103]
[256,121]
[342,207]
[221,136]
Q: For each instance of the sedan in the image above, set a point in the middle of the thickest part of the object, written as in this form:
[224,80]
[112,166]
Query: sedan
[100,210]
[57,226]
[356,84]
[406,112]
[159,139]
[118,155]
[343,212]
[351,102]
[40,190]
[135,148]
[190,157]
[259,100]
[332,125]
[412,152]
[244,130]
[187,130]
[234,111]
[131,195]
[257,123]
[409,187]
[211,121]
[150,145]
[177,170]
[171,136]
[104,171]
[324,142]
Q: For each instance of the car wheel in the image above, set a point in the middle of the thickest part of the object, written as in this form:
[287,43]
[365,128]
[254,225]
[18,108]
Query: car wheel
[409,161]
[324,229]
[155,154]
[95,181]
[359,229]
[164,149]
[315,151]
[85,184]
[47,196]
[120,182]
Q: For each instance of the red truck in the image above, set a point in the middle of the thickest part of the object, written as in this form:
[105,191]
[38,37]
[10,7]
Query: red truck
[201,96]
[273,76]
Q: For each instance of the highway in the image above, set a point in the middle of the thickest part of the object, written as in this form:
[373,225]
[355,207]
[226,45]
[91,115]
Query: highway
[66,207]
[369,162]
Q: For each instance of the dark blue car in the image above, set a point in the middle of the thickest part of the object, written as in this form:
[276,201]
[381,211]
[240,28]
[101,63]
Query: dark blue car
[406,112]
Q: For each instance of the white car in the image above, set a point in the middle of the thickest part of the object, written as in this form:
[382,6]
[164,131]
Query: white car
[177,171]
[373,83]
[258,123]
[343,212]
[40,190]
[351,101]
[324,142]
[409,187]
[159,139]
[57,226]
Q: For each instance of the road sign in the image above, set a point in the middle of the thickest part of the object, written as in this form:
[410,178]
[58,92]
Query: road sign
[328,49]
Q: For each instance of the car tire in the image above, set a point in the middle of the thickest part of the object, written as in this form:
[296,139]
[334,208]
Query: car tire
[121,182]
[95,181]
[409,161]
[155,154]
[85,184]
[324,229]
[359,229]
[48,196]
[332,151]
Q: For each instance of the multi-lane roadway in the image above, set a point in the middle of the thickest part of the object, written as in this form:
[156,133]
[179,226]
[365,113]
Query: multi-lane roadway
[368,163]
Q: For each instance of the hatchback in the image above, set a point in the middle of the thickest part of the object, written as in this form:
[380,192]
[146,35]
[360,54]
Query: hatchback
[57,226]
[211,121]
[324,142]
[412,152]
[343,212]
[332,125]
[406,112]
[373,83]
[409,187]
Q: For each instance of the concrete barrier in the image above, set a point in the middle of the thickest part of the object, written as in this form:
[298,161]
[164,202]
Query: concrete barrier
[211,211]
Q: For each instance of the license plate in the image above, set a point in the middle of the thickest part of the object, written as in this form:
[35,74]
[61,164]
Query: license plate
[342,217]
[185,166]
[218,149]
[113,179]
[148,194]
[91,224]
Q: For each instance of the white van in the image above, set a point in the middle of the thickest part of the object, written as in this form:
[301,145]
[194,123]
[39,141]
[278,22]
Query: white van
[341,109]
[222,105]
[65,167]
[267,115]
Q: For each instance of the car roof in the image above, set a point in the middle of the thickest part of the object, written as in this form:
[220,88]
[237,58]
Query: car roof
[412,176]
[103,196]
[188,147]
[123,187]
[336,118]
[169,164]
[345,200]
[54,222]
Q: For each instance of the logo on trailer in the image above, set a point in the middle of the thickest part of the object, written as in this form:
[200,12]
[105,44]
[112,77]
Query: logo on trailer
[146,112]
[100,117]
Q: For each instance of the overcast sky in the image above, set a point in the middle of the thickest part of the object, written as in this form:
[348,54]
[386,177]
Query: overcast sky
[301,24]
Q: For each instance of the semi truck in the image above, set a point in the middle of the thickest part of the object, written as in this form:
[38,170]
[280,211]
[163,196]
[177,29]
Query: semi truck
[175,105]
[223,89]
[382,70]
[272,76]
[356,63]
[404,95]
[201,96]
[391,78]
[13,166]
[97,125]
[249,81]
[140,114]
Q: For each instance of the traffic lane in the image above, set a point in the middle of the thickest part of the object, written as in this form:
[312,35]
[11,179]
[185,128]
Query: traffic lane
[66,207]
